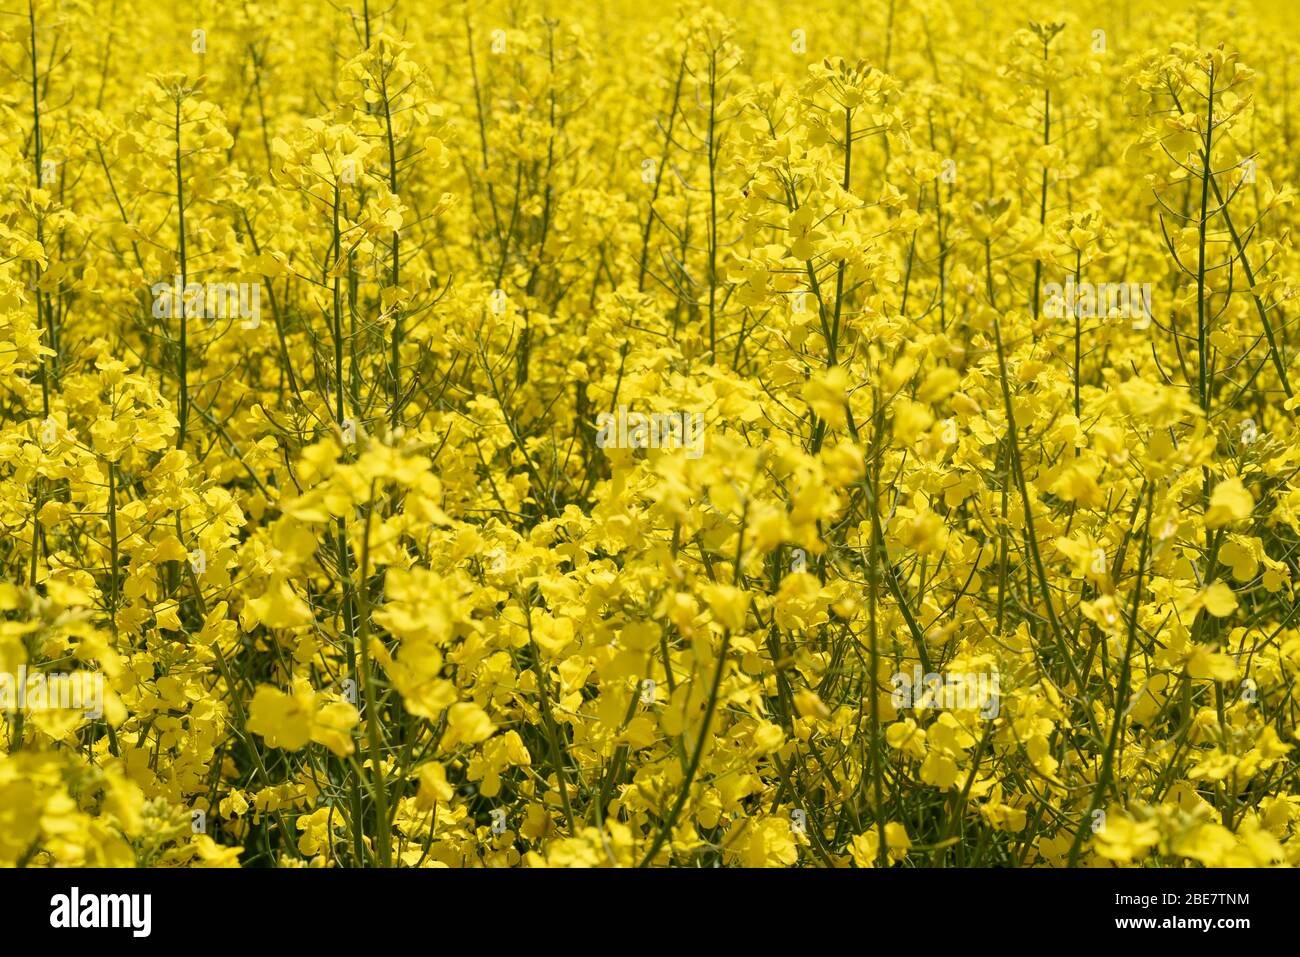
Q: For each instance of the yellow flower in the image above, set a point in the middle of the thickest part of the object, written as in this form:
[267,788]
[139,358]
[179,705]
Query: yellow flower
[467,722]
[1229,502]
[826,393]
[289,721]
[864,849]
[1121,838]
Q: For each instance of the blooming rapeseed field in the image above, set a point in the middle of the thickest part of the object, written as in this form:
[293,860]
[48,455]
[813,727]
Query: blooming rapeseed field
[551,433]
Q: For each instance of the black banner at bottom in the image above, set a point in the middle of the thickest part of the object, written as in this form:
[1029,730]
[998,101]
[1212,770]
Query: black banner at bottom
[341,908]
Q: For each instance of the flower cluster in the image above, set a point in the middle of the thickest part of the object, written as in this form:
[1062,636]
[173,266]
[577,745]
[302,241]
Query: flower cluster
[522,434]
